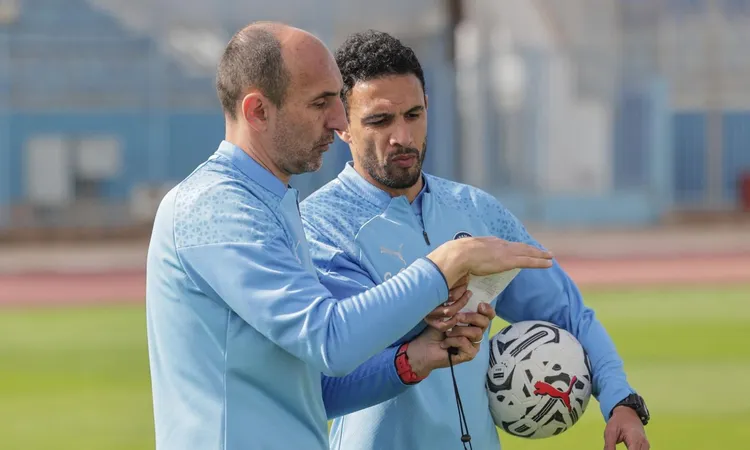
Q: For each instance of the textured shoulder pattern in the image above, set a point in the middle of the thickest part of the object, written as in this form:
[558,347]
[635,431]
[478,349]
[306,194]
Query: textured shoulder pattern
[472,201]
[334,214]
[218,204]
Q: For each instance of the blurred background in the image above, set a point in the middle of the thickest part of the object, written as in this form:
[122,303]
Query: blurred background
[617,130]
[575,112]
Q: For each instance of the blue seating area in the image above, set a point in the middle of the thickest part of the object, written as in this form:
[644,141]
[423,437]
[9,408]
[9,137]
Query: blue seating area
[69,18]
[71,51]
[73,68]
[43,66]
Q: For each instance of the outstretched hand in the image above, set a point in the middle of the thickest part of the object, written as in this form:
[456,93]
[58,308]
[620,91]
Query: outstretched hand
[625,427]
[486,256]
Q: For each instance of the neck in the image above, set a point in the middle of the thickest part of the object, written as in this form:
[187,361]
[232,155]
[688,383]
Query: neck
[410,193]
[256,150]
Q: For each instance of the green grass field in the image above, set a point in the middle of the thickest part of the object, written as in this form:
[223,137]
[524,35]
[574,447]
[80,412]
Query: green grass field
[77,378]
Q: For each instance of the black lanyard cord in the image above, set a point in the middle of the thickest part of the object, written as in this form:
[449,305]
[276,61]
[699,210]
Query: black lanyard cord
[465,436]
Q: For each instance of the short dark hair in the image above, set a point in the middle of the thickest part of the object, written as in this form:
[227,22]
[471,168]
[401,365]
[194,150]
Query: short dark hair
[251,59]
[374,54]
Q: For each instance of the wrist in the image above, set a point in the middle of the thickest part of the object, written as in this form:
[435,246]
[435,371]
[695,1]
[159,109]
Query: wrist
[410,366]
[451,259]
[635,404]
[622,409]
[460,256]
[417,361]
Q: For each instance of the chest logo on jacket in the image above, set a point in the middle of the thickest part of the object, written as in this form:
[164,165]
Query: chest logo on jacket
[461,234]
[397,253]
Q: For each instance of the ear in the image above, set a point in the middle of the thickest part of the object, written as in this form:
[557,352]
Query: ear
[345,136]
[255,110]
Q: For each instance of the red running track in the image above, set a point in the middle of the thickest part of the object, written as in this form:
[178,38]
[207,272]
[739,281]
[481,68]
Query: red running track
[129,287]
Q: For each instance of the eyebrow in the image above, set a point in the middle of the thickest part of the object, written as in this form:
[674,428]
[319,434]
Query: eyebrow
[377,116]
[326,94]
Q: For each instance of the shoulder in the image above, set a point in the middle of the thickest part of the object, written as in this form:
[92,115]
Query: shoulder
[216,204]
[321,202]
[460,195]
[335,211]
[480,203]
[333,197]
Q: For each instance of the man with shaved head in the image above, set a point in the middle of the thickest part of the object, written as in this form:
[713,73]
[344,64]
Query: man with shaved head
[247,349]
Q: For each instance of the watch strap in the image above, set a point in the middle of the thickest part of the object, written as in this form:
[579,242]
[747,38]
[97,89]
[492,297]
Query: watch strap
[403,367]
[637,404]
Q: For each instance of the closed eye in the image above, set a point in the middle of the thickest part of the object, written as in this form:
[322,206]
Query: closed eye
[378,120]
[322,100]
[415,112]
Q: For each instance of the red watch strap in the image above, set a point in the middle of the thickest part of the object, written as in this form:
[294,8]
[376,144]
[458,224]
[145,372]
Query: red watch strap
[403,368]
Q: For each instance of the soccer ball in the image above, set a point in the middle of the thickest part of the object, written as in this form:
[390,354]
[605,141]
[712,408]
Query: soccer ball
[539,379]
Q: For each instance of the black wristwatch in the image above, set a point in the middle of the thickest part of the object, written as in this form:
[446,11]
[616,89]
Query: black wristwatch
[637,403]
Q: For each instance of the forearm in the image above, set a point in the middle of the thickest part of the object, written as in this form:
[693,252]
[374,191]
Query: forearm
[289,306]
[372,383]
[367,322]
[610,383]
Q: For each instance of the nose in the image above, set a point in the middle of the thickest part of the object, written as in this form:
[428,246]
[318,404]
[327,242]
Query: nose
[337,117]
[401,135]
